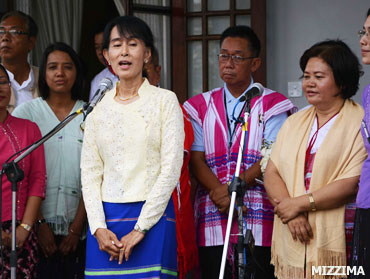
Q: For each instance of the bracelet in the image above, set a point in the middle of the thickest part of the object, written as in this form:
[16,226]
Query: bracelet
[73,232]
[312,202]
[26,227]
[41,221]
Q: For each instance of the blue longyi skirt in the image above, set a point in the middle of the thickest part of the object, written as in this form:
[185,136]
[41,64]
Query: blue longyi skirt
[154,257]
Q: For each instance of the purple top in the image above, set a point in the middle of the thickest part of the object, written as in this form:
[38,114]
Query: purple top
[363,196]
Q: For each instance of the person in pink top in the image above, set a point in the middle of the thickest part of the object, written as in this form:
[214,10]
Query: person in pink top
[16,134]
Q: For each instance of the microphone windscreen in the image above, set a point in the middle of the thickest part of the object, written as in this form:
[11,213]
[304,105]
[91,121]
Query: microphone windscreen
[106,84]
[261,89]
[255,90]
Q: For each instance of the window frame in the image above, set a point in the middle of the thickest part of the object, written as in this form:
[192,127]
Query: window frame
[180,16]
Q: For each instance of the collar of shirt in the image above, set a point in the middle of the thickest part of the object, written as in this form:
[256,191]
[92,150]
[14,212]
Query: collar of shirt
[26,85]
[231,102]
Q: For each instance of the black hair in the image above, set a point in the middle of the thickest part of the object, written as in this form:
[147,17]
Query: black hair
[4,70]
[245,32]
[368,13]
[342,61]
[99,28]
[77,88]
[32,28]
[129,27]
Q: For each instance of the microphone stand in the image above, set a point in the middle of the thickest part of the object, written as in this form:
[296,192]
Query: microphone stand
[237,189]
[16,174]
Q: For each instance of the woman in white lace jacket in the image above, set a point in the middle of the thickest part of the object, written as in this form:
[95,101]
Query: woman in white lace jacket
[131,161]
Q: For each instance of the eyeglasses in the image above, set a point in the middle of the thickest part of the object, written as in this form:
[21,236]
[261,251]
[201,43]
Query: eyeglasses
[12,32]
[362,32]
[235,58]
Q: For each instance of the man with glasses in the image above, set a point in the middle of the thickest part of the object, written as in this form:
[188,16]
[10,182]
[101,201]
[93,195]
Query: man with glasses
[18,33]
[214,116]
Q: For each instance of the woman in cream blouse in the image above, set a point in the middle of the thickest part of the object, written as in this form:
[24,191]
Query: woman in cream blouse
[131,161]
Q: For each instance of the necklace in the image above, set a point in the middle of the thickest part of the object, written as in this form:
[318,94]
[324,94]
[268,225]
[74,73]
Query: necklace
[126,99]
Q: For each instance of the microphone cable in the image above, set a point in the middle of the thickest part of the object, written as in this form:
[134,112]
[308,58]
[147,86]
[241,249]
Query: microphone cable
[57,128]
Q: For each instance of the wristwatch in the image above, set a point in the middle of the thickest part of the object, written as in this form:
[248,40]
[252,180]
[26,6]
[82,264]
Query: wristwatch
[26,227]
[312,202]
[41,221]
[138,229]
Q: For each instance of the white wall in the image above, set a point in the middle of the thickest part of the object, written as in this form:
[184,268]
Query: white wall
[295,25]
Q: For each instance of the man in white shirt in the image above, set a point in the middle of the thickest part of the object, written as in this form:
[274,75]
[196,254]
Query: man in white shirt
[18,33]
[106,73]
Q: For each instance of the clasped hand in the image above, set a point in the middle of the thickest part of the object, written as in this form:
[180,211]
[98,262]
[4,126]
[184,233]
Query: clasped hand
[287,209]
[289,212]
[220,197]
[49,246]
[20,237]
[118,249]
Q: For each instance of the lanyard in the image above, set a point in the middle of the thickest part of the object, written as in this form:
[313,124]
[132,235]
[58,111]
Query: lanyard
[314,136]
[231,133]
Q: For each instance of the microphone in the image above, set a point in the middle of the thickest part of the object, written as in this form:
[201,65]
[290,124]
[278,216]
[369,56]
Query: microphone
[256,90]
[104,85]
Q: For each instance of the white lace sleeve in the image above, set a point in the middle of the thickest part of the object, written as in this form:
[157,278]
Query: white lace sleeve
[92,176]
[171,150]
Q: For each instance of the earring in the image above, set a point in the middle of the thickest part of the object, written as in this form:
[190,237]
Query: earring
[146,61]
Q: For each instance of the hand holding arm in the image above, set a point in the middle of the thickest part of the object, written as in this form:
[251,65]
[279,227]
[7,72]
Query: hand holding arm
[290,208]
[331,196]
[217,192]
[221,198]
[286,208]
